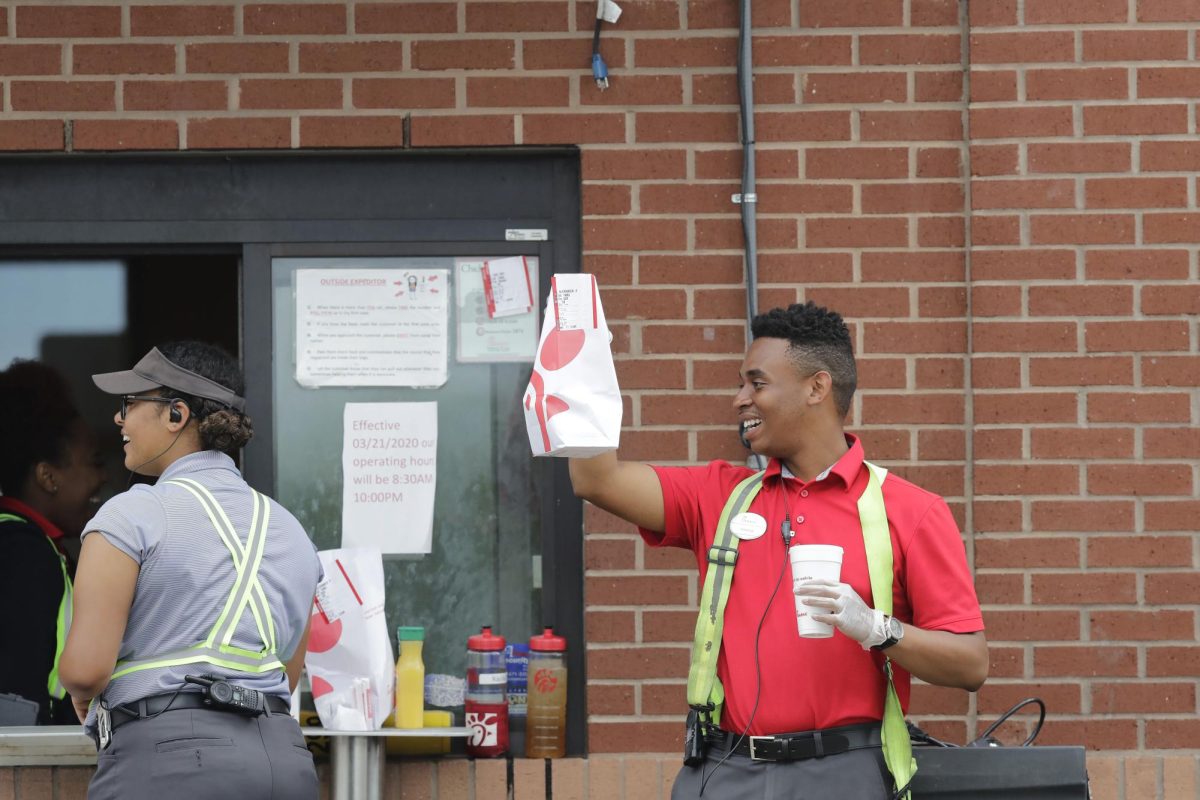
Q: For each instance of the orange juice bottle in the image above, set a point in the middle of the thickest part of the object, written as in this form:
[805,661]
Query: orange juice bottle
[410,678]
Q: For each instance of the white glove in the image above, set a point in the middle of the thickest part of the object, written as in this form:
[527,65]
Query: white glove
[846,611]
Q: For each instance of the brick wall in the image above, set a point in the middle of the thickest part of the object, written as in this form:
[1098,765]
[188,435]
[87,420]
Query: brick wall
[1003,200]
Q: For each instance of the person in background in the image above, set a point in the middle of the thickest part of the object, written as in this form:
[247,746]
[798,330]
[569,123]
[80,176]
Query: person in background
[51,475]
[802,717]
[192,600]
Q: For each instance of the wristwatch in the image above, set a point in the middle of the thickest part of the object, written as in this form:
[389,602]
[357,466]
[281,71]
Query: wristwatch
[895,632]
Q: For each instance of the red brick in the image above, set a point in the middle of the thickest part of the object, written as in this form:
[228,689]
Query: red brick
[1170,442]
[1093,83]
[1026,552]
[1000,444]
[239,133]
[703,51]
[993,85]
[910,48]
[646,15]
[905,126]
[1095,734]
[608,699]
[857,162]
[1136,192]
[1172,733]
[692,126]
[939,162]
[356,131]
[801,51]
[1139,479]
[1133,335]
[406,17]
[650,373]
[1082,515]
[934,13]
[1142,408]
[631,90]
[1005,337]
[636,662]
[691,268]
[285,93]
[999,590]
[1162,662]
[989,230]
[699,339]
[668,626]
[1085,442]
[67,22]
[1134,120]
[1140,625]
[654,304]
[655,446]
[610,554]
[852,14]
[571,53]
[925,266]
[1093,300]
[1142,551]
[726,233]
[573,128]
[610,626]
[854,87]
[995,373]
[719,14]
[1089,588]
[637,590]
[801,126]
[512,17]
[635,234]
[1167,82]
[179,21]
[994,159]
[1171,371]
[690,409]
[115,134]
[881,373]
[63,95]
[31,134]
[237,57]
[1167,10]
[995,301]
[1135,45]
[525,92]
[623,164]
[948,231]
[1140,264]
[1025,407]
[1024,626]
[30,59]
[913,409]
[996,13]
[1004,515]
[716,373]
[627,737]
[914,337]
[176,95]
[1011,122]
[676,198]
[351,56]
[1085,661]
[1170,300]
[1066,698]
[1022,193]
[938,87]
[1081,229]
[1175,588]
[1032,479]
[1083,156]
[941,301]
[463,54]
[727,164]
[803,198]
[923,197]
[856,232]
[402,93]
[478,130]
[1026,47]
[277,19]
[1170,227]
[1074,12]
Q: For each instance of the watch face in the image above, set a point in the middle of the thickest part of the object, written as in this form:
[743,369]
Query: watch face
[895,629]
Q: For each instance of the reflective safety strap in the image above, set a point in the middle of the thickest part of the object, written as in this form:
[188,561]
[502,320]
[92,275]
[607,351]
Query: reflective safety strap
[877,539]
[54,687]
[704,687]
[246,591]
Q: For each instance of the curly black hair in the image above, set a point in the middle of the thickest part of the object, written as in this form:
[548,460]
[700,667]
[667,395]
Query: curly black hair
[221,427]
[37,418]
[818,339]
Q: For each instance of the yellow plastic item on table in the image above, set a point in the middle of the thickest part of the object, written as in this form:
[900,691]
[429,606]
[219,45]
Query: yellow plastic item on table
[422,745]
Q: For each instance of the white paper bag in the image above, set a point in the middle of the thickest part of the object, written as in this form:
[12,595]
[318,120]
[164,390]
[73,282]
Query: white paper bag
[573,404]
[349,658]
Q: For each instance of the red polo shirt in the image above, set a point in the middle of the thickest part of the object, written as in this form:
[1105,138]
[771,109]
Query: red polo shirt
[809,684]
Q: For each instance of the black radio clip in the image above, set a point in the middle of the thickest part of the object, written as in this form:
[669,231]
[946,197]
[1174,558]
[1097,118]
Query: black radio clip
[694,746]
[225,696]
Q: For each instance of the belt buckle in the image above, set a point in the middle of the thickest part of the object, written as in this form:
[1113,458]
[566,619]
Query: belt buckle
[753,756]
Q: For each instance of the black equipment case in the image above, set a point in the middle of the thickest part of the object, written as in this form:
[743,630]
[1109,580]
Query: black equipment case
[1000,773]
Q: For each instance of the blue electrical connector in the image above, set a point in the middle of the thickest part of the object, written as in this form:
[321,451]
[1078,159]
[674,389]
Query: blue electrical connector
[599,71]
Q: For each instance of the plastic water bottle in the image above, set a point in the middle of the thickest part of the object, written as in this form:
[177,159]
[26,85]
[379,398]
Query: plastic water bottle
[486,703]
[546,718]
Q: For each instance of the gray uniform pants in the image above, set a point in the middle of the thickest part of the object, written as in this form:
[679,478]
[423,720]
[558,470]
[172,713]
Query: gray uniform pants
[205,754]
[854,775]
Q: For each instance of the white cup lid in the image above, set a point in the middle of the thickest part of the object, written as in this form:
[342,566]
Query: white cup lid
[815,552]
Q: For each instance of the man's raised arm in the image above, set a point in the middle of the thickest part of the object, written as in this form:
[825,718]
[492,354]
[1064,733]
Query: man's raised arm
[625,488]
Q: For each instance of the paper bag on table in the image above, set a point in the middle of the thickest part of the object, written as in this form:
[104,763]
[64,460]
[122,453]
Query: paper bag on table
[573,404]
[349,657]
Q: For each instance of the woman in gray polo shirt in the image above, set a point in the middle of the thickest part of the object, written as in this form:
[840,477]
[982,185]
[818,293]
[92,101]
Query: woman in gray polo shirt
[192,600]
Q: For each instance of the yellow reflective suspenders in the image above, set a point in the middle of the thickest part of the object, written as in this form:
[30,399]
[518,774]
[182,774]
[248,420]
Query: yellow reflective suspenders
[63,621]
[706,695]
[247,591]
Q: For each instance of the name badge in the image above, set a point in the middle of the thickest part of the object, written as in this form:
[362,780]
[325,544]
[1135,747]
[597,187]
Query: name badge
[748,526]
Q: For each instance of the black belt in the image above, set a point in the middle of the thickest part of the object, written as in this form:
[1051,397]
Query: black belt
[796,746]
[174,701]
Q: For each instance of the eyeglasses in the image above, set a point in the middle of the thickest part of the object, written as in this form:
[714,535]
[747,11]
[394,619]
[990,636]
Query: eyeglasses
[133,398]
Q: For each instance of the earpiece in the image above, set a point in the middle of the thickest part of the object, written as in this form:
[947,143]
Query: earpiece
[176,415]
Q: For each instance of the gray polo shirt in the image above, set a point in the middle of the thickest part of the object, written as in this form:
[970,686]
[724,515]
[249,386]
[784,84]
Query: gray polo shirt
[186,574]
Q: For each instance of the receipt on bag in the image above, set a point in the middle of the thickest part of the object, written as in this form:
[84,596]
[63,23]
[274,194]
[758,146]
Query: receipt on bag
[574,301]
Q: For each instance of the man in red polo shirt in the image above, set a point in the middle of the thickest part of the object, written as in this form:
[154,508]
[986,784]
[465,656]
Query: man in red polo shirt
[797,381]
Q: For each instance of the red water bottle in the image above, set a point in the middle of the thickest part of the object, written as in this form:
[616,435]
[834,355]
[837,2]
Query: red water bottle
[487,703]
